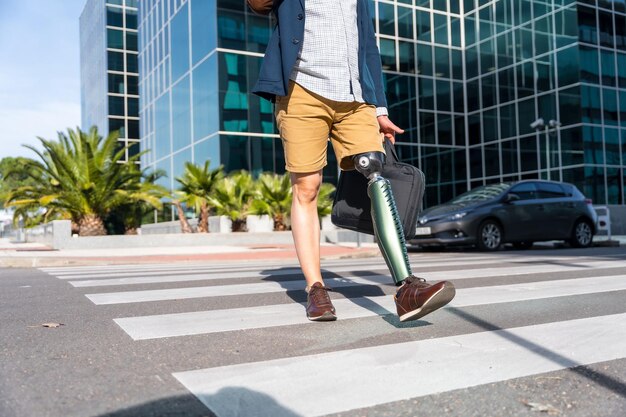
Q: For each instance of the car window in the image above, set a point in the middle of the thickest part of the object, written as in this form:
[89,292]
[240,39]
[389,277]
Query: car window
[483,193]
[525,191]
[576,192]
[550,190]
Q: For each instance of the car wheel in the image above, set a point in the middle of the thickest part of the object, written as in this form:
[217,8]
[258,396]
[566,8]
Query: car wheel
[582,235]
[522,245]
[489,235]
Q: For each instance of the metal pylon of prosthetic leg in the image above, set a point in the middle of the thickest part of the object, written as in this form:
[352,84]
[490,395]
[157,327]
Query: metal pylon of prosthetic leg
[388,228]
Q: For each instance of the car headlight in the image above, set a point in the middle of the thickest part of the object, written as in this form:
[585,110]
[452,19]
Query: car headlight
[457,216]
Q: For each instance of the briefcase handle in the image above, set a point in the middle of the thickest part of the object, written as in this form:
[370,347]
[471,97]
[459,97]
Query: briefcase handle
[390,151]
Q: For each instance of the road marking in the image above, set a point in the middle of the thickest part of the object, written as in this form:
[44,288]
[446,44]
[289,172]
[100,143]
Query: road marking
[241,272]
[228,290]
[366,377]
[76,270]
[431,276]
[262,270]
[212,264]
[233,319]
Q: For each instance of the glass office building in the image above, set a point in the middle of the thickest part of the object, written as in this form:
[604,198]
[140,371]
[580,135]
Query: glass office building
[198,60]
[109,69]
[465,78]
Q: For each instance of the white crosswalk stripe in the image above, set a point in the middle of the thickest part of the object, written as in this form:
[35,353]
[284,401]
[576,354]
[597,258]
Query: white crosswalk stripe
[495,270]
[256,271]
[225,290]
[280,387]
[396,372]
[80,270]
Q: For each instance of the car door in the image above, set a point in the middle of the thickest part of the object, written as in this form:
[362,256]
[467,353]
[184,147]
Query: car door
[554,211]
[519,216]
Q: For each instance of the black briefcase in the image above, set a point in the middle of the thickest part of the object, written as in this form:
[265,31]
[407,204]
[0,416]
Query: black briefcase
[352,205]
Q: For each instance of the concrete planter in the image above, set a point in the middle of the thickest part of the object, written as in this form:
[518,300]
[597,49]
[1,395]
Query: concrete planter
[220,224]
[326,224]
[262,223]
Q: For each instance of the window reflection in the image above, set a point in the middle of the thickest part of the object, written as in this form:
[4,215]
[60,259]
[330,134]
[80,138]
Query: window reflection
[180,43]
[205,99]
[181,114]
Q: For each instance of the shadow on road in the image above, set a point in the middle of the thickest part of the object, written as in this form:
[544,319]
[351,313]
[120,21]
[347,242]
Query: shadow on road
[616,386]
[355,293]
[299,295]
[227,402]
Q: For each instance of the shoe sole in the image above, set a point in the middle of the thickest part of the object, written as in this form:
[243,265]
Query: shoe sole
[327,316]
[438,300]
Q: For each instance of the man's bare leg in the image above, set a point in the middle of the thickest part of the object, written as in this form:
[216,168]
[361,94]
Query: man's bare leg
[305,225]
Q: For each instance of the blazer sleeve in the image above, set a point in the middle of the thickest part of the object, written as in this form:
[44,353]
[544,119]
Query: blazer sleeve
[373,62]
[263,7]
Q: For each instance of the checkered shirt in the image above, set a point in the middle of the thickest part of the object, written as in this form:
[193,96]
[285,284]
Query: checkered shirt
[328,62]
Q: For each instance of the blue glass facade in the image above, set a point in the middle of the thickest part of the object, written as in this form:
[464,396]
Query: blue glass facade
[198,60]
[465,78]
[558,61]
[109,70]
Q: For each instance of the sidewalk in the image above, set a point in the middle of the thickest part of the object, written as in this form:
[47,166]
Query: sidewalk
[27,255]
[34,255]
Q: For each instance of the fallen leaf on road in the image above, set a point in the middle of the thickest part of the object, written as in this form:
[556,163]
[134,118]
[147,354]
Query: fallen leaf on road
[543,408]
[52,324]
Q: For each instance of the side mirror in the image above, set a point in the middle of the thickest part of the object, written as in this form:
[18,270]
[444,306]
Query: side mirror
[511,197]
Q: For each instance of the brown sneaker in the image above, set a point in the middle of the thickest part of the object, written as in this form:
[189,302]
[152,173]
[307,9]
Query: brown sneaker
[416,298]
[318,304]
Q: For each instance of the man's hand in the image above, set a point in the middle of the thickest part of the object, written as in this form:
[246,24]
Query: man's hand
[388,128]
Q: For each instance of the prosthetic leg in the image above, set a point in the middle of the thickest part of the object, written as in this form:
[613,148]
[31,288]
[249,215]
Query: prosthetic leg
[415,297]
[387,225]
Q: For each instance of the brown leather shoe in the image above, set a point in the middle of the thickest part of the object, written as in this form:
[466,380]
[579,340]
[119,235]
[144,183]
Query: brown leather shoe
[416,298]
[318,304]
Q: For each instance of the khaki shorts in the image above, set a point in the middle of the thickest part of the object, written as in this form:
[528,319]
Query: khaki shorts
[306,121]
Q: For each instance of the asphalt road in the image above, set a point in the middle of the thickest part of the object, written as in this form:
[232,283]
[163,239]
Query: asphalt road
[540,332]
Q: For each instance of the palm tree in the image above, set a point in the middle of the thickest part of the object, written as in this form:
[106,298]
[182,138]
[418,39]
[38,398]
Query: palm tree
[130,215]
[82,177]
[231,197]
[12,176]
[184,223]
[196,184]
[273,196]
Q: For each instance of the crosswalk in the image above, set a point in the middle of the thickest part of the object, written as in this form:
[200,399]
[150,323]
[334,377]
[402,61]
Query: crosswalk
[246,298]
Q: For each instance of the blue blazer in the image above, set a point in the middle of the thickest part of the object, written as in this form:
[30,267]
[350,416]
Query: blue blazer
[284,45]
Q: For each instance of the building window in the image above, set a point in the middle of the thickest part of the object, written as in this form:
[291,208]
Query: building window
[116,106]
[131,41]
[131,63]
[116,83]
[115,39]
[132,84]
[131,19]
[133,129]
[116,61]
[117,124]
[115,17]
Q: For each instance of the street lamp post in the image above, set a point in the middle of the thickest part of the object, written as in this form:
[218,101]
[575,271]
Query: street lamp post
[552,125]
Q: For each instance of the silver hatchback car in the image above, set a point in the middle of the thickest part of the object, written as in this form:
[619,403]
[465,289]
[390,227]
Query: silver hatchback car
[520,213]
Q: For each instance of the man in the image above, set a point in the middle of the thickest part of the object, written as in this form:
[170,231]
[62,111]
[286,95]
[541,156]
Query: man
[322,68]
